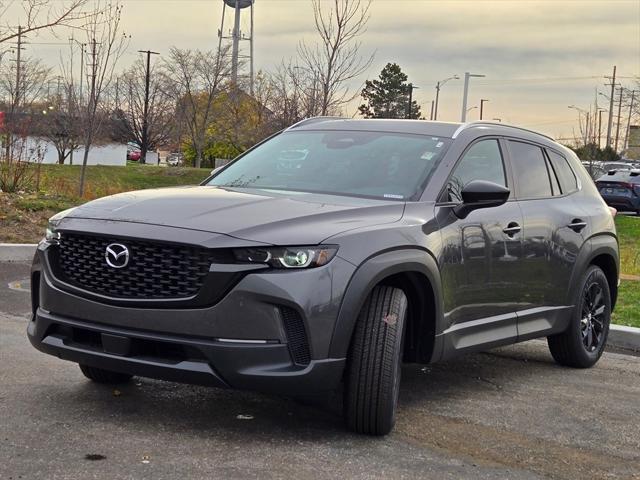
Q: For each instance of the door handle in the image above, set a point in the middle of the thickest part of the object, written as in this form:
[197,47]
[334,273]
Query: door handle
[512,229]
[577,224]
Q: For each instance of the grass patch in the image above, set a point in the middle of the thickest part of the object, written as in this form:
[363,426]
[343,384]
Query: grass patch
[23,217]
[627,310]
[629,236]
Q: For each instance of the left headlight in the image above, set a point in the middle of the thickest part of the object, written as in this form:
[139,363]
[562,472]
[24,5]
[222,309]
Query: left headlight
[288,257]
[51,235]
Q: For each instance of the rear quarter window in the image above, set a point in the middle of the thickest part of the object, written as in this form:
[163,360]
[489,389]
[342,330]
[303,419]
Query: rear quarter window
[563,171]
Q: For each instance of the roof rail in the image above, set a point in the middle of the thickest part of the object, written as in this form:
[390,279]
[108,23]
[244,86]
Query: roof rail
[464,126]
[310,120]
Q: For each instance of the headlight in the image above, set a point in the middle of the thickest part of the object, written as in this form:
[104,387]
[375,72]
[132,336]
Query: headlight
[51,235]
[287,257]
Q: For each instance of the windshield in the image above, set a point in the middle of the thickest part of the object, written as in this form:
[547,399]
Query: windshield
[369,164]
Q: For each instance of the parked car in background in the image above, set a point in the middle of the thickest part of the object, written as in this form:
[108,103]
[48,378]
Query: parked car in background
[595,169]
[175,159]
[133,151]
[617,166]
[374,242]
[621,189]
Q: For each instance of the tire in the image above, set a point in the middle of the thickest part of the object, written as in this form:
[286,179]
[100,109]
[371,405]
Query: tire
[372,382]
[99,375]
[576,347]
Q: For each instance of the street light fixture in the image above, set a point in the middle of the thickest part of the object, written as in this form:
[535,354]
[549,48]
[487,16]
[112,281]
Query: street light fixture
[438,85]
[465,93]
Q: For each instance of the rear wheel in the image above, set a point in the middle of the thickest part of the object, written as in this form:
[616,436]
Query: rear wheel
[373,366]
[104,376]
[582,344]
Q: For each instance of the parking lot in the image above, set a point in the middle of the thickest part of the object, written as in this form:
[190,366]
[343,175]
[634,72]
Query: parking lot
[508,413]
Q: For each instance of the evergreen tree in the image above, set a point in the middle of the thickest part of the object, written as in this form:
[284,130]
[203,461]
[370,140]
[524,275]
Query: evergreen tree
[388,96]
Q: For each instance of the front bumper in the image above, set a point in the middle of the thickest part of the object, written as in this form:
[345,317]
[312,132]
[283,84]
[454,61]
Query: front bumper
[239,342]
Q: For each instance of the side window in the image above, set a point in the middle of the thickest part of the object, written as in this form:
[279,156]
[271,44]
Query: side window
[566,177]
[483,161]
[530,170]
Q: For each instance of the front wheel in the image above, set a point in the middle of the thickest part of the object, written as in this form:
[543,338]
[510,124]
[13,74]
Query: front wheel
[583,342]
[373,366]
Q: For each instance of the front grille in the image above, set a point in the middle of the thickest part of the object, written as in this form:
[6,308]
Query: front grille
[296,336]
[155,270]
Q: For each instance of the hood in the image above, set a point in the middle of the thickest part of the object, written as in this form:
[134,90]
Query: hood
[284,218]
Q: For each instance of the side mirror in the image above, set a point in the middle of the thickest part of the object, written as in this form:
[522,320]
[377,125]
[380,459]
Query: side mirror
[216,170]
[480,194]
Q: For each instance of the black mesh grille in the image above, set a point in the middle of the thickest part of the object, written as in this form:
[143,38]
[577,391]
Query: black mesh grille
[296,336]
[155,270]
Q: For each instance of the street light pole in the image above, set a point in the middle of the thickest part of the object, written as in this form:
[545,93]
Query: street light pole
[438,85]
[482,100]
[467,76]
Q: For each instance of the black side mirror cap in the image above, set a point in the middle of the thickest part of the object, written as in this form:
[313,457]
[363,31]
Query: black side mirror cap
[481,194]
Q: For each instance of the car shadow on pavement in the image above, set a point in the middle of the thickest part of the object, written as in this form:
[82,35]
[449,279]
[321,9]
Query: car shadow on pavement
[200,411]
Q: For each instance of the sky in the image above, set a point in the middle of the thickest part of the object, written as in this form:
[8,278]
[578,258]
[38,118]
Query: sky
[538,57]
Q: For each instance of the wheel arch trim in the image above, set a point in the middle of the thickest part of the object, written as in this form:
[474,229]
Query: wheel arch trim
[369,274]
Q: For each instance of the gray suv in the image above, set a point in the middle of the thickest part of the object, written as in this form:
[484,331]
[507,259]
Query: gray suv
[327,255]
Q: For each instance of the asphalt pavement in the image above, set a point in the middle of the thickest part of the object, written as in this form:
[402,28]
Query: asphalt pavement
[510,413]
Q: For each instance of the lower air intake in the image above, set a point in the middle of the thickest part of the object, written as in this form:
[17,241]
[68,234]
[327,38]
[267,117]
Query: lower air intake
[296,336]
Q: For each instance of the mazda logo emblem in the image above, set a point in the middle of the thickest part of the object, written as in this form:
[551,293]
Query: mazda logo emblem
[117,255]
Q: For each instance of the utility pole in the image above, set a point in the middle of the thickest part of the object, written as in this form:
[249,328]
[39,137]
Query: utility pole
[618,123]
[145,116]
[610,124]
[408,110]
[626,135]
[465,93]
[482,100]
[431,116]
[18,70]
[600,110]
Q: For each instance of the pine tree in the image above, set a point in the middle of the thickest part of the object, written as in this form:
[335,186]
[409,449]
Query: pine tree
[388,96]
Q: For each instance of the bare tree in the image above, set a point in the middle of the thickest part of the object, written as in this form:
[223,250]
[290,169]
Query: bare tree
[62,125]
[106,44]
[129,106]
[31,87]
[39,15]
[336,58]
[195,80]
[20,95]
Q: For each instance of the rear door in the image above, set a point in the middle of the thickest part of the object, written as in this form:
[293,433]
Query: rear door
[553,222]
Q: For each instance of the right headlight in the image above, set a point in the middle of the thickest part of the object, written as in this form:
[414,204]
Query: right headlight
[287,257]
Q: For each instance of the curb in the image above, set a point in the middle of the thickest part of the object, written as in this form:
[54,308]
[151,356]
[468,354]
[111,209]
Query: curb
[17,252]
[627,338]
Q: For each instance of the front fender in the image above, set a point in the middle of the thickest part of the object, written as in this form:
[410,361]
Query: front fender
[370,273]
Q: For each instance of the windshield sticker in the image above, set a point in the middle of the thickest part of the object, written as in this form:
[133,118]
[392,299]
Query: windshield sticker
[439,144]
[392,195]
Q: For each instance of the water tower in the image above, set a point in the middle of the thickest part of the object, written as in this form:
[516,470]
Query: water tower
[236,35]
